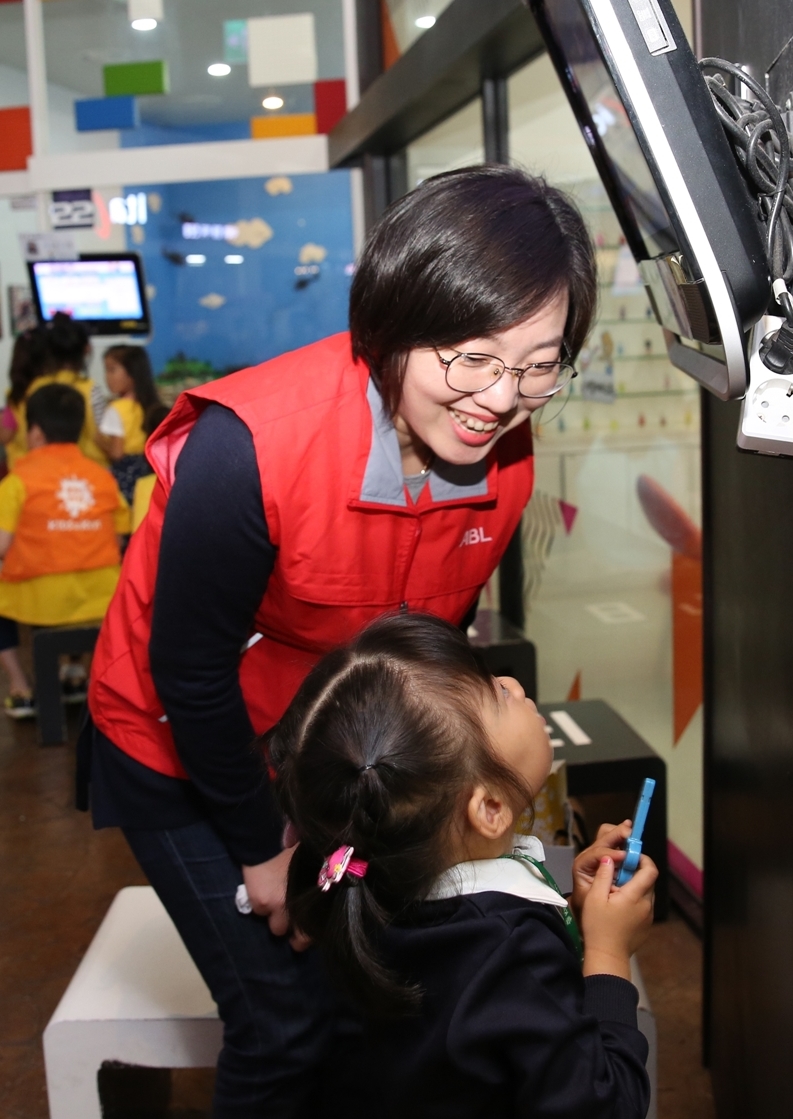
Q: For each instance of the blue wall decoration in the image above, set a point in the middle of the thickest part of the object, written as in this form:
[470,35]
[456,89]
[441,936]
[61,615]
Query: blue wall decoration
[242,270]
[97,113]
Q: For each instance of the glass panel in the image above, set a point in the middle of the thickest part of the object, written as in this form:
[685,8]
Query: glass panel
[613,607]
[196,75]
[457,142]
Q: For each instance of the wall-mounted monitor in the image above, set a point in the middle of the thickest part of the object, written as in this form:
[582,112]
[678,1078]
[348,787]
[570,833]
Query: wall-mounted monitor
[106,292]
[647,117]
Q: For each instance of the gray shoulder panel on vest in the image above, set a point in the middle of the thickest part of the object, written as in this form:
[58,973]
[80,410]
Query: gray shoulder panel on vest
[382,482]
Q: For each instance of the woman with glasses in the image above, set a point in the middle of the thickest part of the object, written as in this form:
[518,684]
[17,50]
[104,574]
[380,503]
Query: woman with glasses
[376,471]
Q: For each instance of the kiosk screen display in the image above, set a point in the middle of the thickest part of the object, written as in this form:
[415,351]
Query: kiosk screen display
[105,293]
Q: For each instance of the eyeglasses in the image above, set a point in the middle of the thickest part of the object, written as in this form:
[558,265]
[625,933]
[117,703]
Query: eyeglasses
[472,373]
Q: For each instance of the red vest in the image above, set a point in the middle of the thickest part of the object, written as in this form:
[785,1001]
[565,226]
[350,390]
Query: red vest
[67,521]
[344,556]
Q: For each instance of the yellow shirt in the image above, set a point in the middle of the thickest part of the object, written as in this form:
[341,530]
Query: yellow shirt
[55,600]
[131,415]
[18,445]
[141,498]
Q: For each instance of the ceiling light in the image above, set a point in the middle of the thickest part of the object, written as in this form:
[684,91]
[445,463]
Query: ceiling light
[425,21]
[273,102]
[233,258]
[196,258]
[144,24]
[219,69]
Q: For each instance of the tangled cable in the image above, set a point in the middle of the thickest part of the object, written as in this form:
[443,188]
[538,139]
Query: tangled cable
[761,145]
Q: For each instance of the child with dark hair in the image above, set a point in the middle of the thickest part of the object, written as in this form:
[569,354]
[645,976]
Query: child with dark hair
[122,433]
[404,766]
[54,354]
[60,518]
[27,363]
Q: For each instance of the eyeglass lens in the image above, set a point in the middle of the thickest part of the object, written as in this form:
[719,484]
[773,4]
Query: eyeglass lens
[476,372]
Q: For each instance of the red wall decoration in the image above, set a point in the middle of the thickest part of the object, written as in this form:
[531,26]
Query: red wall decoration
[16,143]
[330,103]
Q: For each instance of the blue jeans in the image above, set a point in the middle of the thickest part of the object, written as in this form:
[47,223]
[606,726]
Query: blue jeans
[281,1020]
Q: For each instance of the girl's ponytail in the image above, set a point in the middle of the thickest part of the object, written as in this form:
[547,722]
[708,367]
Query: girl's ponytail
[348,917]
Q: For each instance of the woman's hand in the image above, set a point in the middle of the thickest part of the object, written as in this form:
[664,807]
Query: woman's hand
[266,886]
[609,842]
[616,920]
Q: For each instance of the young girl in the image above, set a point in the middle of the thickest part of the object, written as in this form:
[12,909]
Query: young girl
[122,434]
[403,767]
[27,363]
[54,353]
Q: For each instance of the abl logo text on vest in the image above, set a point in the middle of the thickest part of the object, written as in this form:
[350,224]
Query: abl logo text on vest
[475,536]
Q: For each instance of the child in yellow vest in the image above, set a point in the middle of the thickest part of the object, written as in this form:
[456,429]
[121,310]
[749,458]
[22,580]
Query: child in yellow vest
[65,347]
[60,518]
[122,429]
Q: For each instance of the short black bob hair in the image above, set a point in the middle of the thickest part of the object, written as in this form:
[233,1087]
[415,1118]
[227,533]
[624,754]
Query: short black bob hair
[467,254]
[58,410]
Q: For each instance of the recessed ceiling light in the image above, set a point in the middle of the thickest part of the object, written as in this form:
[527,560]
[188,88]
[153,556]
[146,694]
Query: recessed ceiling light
[219,69]
[273,102]
[425,21]
[144,24]
[196,258]
[233,258]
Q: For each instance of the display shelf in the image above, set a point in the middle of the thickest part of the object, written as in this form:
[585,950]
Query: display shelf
[640,394]
[644,321]
[639,357]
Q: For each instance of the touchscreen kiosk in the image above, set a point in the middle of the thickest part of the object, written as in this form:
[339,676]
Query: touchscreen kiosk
[647,117]
[106,293]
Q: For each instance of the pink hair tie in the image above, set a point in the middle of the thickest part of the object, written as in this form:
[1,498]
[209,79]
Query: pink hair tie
[337,865]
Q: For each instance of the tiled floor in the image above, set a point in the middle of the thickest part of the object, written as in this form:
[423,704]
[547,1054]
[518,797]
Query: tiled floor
[58,877]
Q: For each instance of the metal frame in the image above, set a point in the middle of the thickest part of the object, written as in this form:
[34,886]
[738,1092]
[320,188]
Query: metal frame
[632,81]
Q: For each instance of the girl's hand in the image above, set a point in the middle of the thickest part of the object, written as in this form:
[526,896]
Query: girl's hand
[608,842]
[616,920]
[266,886]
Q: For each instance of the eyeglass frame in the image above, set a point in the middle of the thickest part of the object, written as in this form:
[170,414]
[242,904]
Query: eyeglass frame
[516,372]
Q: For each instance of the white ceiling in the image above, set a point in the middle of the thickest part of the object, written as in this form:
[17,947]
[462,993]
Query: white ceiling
[81,36]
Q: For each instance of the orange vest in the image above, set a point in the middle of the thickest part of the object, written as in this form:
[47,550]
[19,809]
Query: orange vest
[66,523]
[351,547]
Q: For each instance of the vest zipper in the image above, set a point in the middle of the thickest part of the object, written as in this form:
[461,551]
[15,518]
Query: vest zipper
[403,606]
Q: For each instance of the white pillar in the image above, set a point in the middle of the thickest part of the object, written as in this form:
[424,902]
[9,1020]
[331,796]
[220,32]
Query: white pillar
[37,77]
[358,215]
[350,26]
[37,96]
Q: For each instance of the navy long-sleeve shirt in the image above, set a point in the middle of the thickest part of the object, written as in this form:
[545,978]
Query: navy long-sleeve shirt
[508,1028]
[214,563]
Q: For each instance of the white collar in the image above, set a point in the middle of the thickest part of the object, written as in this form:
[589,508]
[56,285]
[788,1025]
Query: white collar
[501,876]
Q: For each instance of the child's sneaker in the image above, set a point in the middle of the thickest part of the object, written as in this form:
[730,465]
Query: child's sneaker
[18,706]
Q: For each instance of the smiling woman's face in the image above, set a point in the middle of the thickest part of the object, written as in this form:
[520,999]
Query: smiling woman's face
[461,428]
